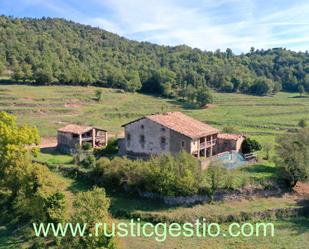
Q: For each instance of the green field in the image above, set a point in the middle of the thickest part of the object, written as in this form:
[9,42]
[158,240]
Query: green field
[50,107]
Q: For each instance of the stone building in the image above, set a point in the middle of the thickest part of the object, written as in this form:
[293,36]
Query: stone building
[229,142]
[73,135]
[169,132]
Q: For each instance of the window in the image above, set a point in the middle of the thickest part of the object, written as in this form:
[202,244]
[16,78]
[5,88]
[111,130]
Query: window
[128,139]
[142,126]
[182,143]
[162,129]
[75,135]
[142,140]
[163,142]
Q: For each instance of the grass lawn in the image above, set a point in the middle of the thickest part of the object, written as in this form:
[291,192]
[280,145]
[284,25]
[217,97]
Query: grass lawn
[54,159]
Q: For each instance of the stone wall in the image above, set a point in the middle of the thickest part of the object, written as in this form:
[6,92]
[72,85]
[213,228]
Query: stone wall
[224,145]
[219,195]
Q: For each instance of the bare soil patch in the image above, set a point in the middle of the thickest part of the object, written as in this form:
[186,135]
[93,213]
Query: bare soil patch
[302,189]
[48,142]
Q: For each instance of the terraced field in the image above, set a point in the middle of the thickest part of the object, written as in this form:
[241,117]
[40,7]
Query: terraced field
[49,107]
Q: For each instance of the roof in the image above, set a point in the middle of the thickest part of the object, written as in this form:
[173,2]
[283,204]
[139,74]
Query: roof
[228,136]
[76,129]
[182,124]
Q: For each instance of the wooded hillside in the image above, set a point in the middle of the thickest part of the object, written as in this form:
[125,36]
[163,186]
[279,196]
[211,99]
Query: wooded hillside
[52,50]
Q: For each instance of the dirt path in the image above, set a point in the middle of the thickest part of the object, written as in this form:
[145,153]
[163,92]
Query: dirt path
[48,142]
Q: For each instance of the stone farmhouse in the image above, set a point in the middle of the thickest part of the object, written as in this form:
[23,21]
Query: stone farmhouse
[73,135]
[173,132]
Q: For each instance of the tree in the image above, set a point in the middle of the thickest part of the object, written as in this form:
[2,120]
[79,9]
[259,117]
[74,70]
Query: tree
[1,68]
[14,163]
[203,97]
[190,94]
[134,82]
[293,156]
[25,186]
[302,123]
[99,95]
[250,145]
[27,72]
[262,86]
[44,74]
[277,87]
[301,90]
[215,174]
[91,207]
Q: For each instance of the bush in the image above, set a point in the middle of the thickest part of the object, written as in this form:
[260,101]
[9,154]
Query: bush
[262,86]
[303,123]
[166,175]
[230,129]
[250,145]
[180,175]
[110,149]
[99,95]
[293,156]
[89,161]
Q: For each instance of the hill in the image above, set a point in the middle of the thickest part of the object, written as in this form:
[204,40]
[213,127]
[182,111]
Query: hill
[52,50]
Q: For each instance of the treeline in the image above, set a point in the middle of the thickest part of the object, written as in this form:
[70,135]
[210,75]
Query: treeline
[51,50]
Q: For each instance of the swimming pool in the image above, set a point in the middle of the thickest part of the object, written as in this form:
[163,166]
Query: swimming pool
[232,160]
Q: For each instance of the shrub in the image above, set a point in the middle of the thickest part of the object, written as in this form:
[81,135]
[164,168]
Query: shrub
[293,156]
[166,175]
[303,123]
[262,86]
[89,161]
[110,149]
[180,175]
[250,145]
[215,176]
[99,95]
[230,129]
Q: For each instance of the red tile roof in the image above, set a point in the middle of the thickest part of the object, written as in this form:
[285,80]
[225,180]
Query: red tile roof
[75,129]
[228,136]
[182,124]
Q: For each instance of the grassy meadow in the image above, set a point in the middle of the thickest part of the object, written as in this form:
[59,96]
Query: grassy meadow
[50,107]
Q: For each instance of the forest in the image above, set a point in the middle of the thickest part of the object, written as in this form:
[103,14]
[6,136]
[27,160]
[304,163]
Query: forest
[57,51]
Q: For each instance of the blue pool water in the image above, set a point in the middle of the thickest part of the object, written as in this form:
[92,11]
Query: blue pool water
[232,160]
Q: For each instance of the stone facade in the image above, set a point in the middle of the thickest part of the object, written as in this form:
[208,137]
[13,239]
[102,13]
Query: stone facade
[145,137]
[173,132]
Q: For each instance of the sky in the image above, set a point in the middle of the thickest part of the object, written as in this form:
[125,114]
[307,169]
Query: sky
[204,24]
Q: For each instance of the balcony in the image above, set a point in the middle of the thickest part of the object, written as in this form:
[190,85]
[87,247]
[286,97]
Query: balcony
[207,144]
[86,139]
